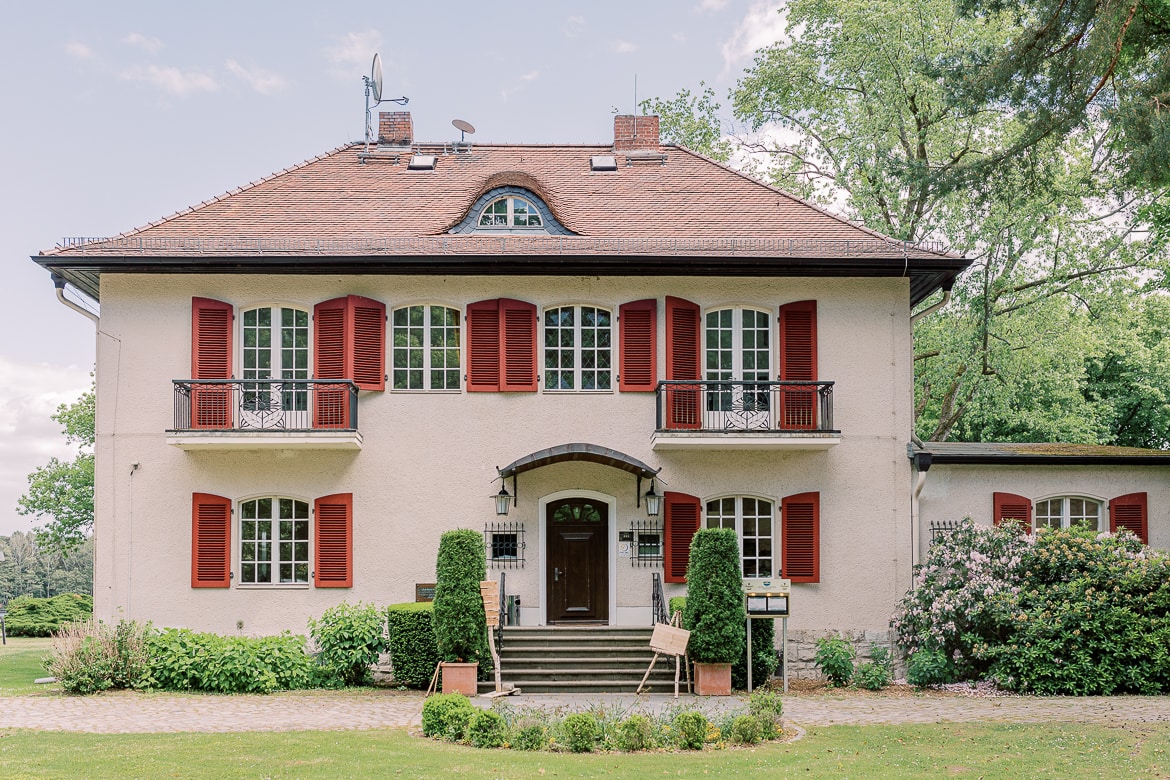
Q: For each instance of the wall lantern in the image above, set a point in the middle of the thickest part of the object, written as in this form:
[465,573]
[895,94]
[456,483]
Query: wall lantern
[503,499]
[653,501]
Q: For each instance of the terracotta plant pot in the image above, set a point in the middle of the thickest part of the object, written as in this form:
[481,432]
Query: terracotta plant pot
[461,678]
[712,679]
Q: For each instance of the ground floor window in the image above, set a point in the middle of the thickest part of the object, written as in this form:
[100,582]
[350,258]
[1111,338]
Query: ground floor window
[753,519]
[274,541]
[1070,512]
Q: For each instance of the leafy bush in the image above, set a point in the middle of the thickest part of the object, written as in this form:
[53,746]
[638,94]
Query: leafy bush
[349,640]
[182,660]
[677,604]
[928,666]
[745,730]
[635,733]
[92,656]
[580,732]
[715,613]
[413,648]
[765,658]
[529,736]
[768,707]
[447,714]
[460,627]
[31,616]
[834,657]
[487,730]
[875,674]
[690,729]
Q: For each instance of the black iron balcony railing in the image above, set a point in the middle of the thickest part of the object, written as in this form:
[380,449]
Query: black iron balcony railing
[739,407]
[266,405]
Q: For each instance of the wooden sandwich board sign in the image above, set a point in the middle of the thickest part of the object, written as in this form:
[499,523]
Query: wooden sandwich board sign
[668,639]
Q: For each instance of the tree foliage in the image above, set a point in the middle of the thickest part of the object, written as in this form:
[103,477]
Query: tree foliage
[28,570]
[60,493]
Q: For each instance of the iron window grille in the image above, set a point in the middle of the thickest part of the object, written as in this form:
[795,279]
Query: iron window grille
[942,528]
[646,543]
[504,544]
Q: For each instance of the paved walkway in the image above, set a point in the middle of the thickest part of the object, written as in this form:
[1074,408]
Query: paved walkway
[150,713]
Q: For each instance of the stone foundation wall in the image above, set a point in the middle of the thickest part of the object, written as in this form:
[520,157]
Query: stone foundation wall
[802,648]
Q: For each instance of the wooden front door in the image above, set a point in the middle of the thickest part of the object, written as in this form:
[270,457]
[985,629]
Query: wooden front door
[578,561]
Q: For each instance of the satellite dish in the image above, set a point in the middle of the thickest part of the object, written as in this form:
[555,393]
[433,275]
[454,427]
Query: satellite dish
[464,127]
[376,78]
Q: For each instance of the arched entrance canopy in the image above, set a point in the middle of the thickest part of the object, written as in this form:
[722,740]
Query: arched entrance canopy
[579,451]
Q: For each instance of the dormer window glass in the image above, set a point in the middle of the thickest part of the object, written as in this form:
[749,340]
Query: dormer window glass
[510,212]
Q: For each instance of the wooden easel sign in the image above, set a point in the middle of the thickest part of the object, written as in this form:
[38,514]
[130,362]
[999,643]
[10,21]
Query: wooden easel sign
[668,639]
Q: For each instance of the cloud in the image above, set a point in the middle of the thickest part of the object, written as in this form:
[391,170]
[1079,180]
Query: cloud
[353,50]
[531,75]
[574,26]
[711,5]
[172,80]
[147,44]
[78,50]
[763,25]
[624,47]
[263,81]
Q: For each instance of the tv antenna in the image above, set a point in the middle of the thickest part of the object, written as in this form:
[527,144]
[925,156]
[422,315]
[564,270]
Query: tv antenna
[374,89]
[464,127]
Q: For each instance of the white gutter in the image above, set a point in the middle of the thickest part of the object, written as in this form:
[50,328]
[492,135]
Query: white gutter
[59,282]
[932,309]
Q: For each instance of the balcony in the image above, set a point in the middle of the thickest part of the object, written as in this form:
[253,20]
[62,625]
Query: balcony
[234,414]
[737,415]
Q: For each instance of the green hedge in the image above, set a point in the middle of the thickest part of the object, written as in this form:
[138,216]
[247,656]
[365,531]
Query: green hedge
[30,616]
[765,659]
[460,625]
[715,613]
[182,660]
[413,649]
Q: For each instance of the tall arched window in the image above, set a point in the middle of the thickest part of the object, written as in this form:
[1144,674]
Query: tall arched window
[738,349]
[274,346]
[426,348]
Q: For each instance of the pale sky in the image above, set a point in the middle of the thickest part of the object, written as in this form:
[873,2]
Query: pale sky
[119,113]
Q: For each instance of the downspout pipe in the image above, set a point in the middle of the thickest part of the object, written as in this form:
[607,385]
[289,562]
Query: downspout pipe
[59,283]
[922,462]
[932,309]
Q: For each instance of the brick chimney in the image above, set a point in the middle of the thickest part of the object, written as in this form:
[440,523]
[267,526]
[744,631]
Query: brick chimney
[395,128]
[631,133]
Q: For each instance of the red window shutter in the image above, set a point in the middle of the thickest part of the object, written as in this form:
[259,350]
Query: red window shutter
[1130,511]
[800,546]
[211,539]
[638,345]
[366,347]
[333,541]
[483,346]
[1009,506]
[798,363]
[211,358]
[681,521]
[330,402]
[518,337]
[683,339]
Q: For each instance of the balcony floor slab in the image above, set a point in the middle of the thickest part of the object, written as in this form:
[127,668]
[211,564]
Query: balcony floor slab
[265,440]
[743,440]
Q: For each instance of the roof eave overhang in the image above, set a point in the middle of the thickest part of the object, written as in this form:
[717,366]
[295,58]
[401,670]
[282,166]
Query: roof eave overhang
[926,275]
[937,459]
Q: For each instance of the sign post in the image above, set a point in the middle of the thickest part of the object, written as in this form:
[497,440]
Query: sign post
[767,597]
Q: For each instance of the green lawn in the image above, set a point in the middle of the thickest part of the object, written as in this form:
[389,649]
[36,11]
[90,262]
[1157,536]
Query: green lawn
[963,751]
[20,664]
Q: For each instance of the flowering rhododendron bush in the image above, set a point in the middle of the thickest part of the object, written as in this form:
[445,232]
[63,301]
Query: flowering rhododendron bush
[1055,612]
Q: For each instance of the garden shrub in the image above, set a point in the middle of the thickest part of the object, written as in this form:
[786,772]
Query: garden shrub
[715,613]
[413,649]
[182,660]
[634,733]
[31,616]
[875,674]
[529,734]
[690,729]
[580,732]
[928,666]
[349,639]
[460,626]
[487,730]
[765,658]
[91,656]
[767,706]
[440,718]
[745,730]
[834,657]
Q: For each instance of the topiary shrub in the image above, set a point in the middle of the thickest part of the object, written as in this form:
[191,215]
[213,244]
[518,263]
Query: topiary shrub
[460,627]
[31,616]
[92,656]
[745,730]
[834,657]
[487,730]
[634,733]
[349,639]
[690,730]
[765,658]
[714,612]
[441,715]
[768,708]
[580,732]
[414,650]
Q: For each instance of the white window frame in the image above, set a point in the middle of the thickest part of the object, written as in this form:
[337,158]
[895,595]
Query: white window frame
[294,405]
[737,348]
[275,559]
[577,349]
[737,524]
[511,199]
[427,367]
[1066,500]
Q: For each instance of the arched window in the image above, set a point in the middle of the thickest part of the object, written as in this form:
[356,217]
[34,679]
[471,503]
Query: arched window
[578,348]
[426,348]
[274,541]
[1070,512]
[753,519]
[274,346]
[510,211]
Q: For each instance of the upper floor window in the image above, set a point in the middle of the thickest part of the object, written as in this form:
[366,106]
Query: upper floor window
[753,519]
[1070,512]
[426,348]
[274,346]
[738,345]
[508,212]
[578,348]
[274,541]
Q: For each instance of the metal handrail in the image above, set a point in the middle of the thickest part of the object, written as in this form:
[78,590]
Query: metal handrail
[503,616]
[745,406]
[661,614]
[265,404]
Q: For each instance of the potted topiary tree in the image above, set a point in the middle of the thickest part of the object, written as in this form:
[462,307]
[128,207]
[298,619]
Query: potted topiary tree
[714,612]
[460,627]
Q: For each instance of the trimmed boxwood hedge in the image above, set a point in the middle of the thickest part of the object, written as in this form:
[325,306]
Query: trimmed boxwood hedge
[715,613]
[30,616]
[460,625]
[414,652]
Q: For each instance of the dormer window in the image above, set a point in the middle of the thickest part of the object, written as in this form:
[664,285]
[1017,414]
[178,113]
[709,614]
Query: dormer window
[510,212]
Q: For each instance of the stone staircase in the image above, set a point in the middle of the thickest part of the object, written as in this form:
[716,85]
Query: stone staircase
[582,659]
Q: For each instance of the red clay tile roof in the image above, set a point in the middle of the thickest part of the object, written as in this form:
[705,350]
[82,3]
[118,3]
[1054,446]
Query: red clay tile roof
[1013,453]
